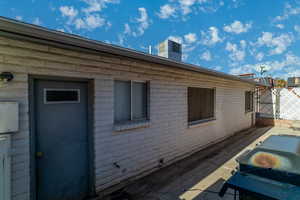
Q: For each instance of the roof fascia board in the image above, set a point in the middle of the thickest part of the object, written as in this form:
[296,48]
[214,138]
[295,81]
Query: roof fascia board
[37,33]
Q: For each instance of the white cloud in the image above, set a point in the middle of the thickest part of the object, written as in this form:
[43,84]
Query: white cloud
[190,37]
[121,39]
[68,11]
[218,68]
[237,27]
[122,36]
[37,21]
[177,39]
[235,3]
[139,25]
[297,28]
[182,8]
[266,38]
[280,26]
[185,5]
[89,22]
[278,44]
[20,18]
[240,70]
[135,28]
[206,56]
[89,17]
[289,10]
[243,44]
[97,5]
[166,11]
[284,68]
[127,29]
[108,25]
[259,56]
[211,37]
[189,6]
[143,21]
[236,54]
[292,73]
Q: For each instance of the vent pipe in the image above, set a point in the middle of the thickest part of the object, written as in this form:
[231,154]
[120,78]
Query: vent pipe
[150,49]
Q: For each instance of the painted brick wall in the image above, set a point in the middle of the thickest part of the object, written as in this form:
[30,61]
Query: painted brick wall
[136,151]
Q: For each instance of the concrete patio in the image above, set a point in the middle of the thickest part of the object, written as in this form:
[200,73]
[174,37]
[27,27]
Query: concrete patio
[200,176]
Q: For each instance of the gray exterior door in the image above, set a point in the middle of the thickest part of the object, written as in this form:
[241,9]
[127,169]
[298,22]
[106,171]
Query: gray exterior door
[61,140]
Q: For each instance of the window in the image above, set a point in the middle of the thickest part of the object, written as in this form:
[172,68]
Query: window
[130,101]
[52,96]
[201,104]
[248,101]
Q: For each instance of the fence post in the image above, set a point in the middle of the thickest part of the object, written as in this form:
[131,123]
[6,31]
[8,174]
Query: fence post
[277,103]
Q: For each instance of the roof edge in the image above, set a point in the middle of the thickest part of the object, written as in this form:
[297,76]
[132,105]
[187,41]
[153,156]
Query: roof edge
[20,28]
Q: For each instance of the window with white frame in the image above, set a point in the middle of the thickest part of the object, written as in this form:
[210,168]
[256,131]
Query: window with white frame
[201,104]
[130,101]
[248,101]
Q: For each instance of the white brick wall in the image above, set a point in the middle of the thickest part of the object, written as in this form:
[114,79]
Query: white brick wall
[136,151]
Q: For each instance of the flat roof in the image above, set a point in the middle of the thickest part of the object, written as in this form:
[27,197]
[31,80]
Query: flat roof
[14,28]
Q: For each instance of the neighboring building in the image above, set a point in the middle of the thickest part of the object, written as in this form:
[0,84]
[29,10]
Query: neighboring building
[94,116]
[280,83]
[266,81]
[247,76]
[294,82]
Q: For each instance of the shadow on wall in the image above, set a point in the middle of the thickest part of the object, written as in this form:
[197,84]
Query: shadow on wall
[196,177]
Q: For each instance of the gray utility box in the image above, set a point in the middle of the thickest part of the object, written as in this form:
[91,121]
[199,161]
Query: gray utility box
[9,117]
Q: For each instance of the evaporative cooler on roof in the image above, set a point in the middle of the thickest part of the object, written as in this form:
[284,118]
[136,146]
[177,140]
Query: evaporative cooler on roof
[170,49]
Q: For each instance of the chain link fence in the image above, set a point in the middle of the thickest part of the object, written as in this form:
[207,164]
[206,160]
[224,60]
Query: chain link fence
[278,103]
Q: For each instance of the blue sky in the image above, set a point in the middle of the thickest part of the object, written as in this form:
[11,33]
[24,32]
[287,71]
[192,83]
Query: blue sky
[233,36]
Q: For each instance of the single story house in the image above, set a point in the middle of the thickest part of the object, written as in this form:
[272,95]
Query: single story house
[94,116]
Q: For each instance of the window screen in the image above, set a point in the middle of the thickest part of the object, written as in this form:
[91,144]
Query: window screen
[248,101]
[122,101]
[130,101]
[61,96]
[139,100]
[201,104]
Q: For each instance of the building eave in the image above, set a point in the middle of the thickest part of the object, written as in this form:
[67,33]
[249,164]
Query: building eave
[14,27]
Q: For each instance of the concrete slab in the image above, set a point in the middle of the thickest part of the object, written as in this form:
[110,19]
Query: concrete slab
[201,176]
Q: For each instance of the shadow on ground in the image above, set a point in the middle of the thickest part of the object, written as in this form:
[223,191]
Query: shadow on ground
[198,177]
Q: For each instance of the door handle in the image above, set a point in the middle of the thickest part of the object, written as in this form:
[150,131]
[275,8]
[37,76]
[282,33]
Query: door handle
[39,154]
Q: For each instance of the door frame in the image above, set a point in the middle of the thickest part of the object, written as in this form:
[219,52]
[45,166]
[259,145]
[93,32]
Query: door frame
[32,129]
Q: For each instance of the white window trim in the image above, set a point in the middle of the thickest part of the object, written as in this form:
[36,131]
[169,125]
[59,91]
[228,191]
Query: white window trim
[134,121]
[208,122]
[131,125]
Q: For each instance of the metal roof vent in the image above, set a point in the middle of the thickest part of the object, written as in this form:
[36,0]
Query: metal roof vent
[170,49]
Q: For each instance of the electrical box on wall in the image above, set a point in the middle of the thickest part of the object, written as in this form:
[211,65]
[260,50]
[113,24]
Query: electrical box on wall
[9,117]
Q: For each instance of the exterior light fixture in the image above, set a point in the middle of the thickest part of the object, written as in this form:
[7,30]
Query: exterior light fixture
[6,77]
